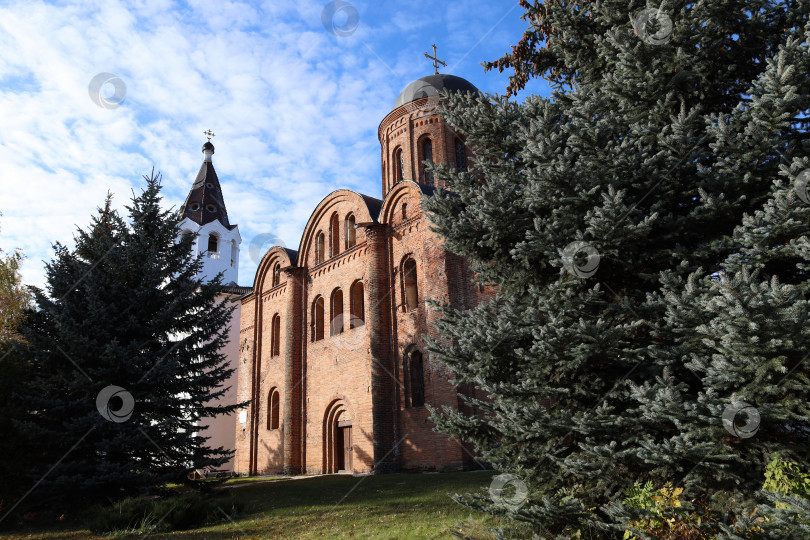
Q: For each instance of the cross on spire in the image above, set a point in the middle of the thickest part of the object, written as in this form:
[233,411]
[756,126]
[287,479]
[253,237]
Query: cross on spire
[435,59]
[209,134]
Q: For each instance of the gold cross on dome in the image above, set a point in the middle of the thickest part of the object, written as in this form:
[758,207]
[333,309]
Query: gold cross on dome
[435,59]
[209,134]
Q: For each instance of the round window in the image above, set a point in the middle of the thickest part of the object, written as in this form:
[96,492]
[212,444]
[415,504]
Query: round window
[210,207]
[209,185]
[194,207]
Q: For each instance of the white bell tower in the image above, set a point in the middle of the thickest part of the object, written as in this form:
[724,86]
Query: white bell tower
[217,243]
[204,214]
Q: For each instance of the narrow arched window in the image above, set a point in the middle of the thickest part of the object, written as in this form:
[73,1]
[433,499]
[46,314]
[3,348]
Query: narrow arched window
[461,156]
[404,211]
[317,319]
[399,165]
[357,305]
[234,251]
[213,243]
[409,285]
[350,234]
[427,156]
[334,235]
[417,379]
[320,245]
[336,315]
[275,336]
[276,274]
[273,405]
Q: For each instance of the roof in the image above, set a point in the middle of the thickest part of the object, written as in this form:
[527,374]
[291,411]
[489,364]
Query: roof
[236,289]
[432,85]
[205,203]
[293,255]
[374,205]
[427,189]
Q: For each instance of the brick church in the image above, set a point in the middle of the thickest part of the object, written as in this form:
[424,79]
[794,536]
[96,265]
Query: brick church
[332,352]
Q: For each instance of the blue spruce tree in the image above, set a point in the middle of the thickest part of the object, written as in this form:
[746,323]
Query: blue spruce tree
[646,227]
[124,350]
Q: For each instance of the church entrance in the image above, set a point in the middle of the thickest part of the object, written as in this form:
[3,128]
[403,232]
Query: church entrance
[343,447]
[338,447]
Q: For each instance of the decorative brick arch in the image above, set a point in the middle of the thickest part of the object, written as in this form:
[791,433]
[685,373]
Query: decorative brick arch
[343,202]
[405,191]
[337,412]
[276,257]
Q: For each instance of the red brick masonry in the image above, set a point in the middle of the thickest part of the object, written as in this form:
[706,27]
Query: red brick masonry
[359,378]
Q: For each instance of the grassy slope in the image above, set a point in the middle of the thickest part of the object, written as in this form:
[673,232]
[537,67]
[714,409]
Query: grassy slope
[385,506]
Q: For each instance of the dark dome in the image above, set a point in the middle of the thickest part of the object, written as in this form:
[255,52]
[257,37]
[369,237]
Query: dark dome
[432,85]
[208,146]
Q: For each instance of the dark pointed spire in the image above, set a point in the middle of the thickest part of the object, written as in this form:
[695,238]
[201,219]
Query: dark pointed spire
[205,203]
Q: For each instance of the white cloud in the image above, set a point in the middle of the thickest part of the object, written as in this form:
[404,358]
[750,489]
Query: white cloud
[288,102]
[295,109]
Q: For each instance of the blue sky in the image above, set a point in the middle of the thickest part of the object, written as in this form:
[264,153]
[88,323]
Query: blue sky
[295,106]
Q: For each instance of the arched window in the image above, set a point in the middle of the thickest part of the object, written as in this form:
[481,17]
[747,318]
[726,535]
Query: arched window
[275,336]
[334,236]
[461,156]
[427,155]
[409,285]
[319,248]
[350,234]
[317,319]
[416,379]
[399,165]
[357,305]
[233,253]
[336,315]
[213,243]
[273,409]
[276,274]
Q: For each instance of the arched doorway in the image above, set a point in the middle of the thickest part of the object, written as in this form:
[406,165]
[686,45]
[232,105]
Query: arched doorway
[338,447]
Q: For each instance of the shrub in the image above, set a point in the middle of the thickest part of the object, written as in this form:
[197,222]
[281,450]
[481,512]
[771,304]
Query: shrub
[786,478]
[154,515]
[667,515]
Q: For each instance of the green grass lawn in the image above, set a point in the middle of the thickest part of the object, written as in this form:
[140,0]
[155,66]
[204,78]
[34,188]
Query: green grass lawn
[232,481]
[385,506]
[252,479]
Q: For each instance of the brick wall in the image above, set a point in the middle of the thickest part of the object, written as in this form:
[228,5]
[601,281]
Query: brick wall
[358,376]
[406,128]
